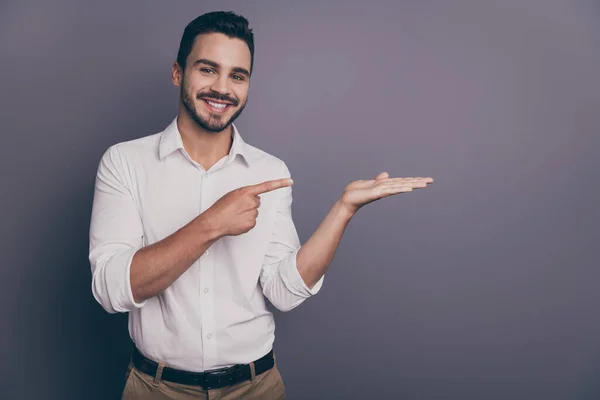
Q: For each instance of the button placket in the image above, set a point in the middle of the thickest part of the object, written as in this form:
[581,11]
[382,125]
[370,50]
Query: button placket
[209,344]
[203,278]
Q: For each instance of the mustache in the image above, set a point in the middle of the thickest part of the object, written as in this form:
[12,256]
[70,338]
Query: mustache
[217,96]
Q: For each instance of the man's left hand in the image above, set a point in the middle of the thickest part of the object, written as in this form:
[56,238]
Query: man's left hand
[359,193]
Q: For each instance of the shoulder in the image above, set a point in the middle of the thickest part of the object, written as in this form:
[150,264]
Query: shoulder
[142,148]
[262,159]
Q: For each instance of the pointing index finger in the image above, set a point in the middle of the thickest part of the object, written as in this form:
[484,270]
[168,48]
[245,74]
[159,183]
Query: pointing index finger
[269,186]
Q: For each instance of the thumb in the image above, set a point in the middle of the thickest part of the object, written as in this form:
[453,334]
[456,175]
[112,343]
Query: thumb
[383,175]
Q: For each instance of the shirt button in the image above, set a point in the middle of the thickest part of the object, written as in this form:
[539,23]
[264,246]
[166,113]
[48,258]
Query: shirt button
[206,290]
[209,335]
[206,253]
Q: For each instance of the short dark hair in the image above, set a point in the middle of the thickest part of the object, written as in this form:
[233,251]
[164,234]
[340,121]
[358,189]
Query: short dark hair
[225,22]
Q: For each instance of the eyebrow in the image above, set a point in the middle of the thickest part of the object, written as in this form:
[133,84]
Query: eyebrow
[213,64]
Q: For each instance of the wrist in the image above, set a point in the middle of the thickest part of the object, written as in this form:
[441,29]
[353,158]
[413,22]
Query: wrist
[344,210]
[209,227]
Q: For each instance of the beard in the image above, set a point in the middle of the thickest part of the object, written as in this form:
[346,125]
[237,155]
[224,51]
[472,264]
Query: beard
[214,123]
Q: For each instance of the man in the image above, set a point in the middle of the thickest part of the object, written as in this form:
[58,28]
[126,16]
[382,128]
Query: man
[192,228]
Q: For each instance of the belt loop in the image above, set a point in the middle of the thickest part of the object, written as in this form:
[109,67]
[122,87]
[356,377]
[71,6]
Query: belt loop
[252,372]
[158,375]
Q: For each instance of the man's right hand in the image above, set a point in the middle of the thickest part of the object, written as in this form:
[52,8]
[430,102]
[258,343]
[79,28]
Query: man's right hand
[235,213]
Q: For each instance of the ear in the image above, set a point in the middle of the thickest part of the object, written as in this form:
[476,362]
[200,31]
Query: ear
[176,74]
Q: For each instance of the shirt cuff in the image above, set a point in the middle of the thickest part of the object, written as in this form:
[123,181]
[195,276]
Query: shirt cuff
[122,285]
[293,281]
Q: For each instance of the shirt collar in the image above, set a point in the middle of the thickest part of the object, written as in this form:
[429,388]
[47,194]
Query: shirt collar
[170,140]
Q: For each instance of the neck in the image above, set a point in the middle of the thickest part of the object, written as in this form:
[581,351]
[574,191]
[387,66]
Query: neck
[206,148]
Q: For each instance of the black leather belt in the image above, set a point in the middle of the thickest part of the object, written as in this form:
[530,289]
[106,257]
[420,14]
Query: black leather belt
[213,379]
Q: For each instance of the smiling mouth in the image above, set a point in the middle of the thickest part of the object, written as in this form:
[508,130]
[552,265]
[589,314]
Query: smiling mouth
[216,106]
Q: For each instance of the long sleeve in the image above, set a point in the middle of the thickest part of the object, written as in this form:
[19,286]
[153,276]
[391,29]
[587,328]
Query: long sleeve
[116,234]
[280,280]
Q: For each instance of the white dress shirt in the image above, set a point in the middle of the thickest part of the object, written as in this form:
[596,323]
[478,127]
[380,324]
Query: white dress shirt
[214,315]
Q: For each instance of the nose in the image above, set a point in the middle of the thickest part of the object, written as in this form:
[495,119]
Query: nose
[220,85]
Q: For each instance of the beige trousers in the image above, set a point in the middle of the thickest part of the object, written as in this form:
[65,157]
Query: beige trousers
[138,386]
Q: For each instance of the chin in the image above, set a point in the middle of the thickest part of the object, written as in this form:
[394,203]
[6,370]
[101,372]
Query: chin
[210,125]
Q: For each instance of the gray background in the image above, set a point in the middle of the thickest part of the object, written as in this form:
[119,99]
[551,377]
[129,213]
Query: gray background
[483,286]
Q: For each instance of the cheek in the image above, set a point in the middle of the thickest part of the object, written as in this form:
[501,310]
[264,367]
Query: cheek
[192,92]
[195,85]
[241,94]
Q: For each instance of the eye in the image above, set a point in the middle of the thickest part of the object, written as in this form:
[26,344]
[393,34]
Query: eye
[238,77]
[207,70]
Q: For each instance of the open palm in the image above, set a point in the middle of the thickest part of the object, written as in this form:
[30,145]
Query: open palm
[359,193]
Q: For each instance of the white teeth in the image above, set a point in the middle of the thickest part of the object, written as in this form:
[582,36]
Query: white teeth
[216,105]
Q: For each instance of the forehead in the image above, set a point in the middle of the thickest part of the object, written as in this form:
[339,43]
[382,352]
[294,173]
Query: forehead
[217,47]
